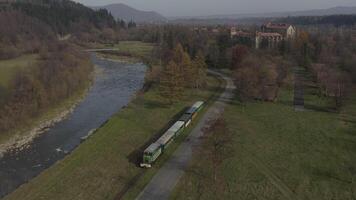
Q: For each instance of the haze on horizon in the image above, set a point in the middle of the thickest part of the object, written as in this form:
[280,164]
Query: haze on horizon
[171,8]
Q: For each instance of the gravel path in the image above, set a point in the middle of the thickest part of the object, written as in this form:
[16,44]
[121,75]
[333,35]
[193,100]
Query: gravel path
[168,176]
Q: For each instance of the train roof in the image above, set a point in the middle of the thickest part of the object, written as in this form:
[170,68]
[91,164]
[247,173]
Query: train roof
[191,110]
[166,137]
[152,148]
[176,126]
[198,104]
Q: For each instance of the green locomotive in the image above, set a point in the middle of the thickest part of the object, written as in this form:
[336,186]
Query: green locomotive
[151,154]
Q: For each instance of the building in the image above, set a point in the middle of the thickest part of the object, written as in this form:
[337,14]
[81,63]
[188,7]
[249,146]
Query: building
[274,33]
[286,30]
[270,40]
[233,32]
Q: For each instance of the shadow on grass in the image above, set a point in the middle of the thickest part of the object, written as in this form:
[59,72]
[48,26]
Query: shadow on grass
[324,173]
[320,108]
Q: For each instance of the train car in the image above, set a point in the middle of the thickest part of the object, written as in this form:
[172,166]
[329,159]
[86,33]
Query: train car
[177,128]
[166,139]
[151,154]
[198,105]
[187,119]
[192,111]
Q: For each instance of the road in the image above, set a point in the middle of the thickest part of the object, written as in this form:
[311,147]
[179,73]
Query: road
[162,184]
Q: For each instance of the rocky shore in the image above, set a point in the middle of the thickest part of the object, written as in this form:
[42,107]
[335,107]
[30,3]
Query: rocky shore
[22,141]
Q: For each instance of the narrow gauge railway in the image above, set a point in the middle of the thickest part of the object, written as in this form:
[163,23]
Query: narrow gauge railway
[151,154]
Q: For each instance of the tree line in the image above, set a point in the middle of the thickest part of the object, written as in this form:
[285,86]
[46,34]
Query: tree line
[335,20]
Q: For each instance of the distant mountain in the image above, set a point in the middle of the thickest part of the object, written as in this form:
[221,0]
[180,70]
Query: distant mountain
[315,12]
[127,13]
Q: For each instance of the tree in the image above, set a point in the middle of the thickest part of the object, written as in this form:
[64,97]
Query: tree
[131,24]
[182,59]
[199,70]
[239,52]
[187,70]
[171,82]
[258,78]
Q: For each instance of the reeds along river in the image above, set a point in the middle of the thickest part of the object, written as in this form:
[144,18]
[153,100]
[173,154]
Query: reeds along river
[112,89]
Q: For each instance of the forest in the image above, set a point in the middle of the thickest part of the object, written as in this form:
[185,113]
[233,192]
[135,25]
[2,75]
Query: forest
[335,20]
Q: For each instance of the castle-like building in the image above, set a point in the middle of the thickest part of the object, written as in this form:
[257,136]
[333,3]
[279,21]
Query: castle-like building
[270,35]
[274,33]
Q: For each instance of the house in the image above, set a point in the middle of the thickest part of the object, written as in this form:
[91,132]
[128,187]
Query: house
[286,30]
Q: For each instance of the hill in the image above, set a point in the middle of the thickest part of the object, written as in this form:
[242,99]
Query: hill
[316,12]
[63,16]
[127,13]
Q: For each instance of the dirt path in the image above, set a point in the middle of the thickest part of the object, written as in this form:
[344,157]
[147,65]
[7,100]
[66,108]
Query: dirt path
[168,176]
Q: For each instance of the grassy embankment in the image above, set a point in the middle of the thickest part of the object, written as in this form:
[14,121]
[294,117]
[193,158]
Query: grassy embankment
[283,154]
[8,69]
[127,51]
[105,166]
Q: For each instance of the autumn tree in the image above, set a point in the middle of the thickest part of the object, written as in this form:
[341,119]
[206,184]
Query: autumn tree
[199,70]
[186,67]
[171,82]
[239,52]
[258,78]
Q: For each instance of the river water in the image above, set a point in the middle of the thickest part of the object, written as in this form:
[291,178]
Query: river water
[113,88]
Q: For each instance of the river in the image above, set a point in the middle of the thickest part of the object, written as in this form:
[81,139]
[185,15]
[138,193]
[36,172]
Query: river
[113,88]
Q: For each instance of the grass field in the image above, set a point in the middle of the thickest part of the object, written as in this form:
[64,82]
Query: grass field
[106,165]
[8,68]
[283,154]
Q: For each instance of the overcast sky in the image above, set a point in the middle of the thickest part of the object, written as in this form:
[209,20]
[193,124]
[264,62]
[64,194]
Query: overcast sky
[171,8]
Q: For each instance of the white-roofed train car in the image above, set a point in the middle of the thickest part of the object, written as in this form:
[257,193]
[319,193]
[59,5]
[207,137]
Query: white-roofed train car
[198,105]
[177,128]
[166,139]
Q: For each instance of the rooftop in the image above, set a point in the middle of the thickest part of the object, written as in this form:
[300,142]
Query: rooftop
[277,25]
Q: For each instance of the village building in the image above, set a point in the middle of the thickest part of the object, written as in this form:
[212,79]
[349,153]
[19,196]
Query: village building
[286,30]
[233,32]
[270,36]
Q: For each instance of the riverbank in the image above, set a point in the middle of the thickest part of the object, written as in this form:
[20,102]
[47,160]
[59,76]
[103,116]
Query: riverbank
[20,139]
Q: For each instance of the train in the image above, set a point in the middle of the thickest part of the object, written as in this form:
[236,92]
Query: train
[153,151]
